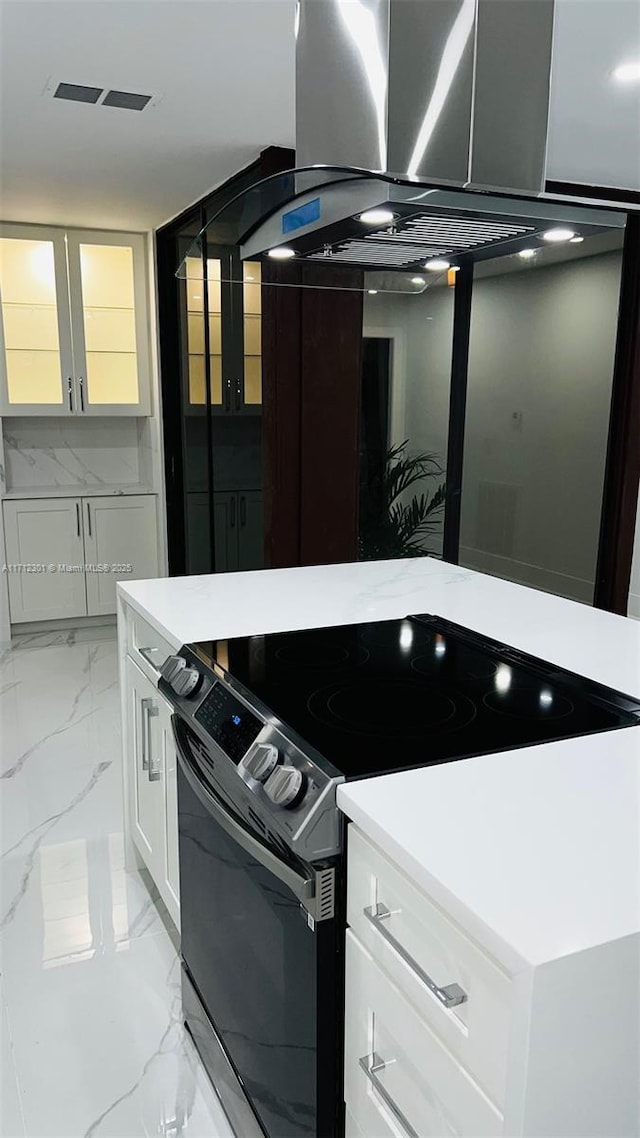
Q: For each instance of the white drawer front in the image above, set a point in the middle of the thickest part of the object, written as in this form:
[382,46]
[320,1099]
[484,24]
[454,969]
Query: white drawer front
[416,944]
[146,646]
[399,1079]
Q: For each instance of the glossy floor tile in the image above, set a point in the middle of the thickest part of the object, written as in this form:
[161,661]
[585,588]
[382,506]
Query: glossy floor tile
[91,1026]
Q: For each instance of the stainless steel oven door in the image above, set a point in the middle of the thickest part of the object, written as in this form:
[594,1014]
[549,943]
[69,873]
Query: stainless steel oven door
[267,981]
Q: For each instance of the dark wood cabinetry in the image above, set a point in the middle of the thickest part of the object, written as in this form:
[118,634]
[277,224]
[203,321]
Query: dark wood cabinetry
[312,356]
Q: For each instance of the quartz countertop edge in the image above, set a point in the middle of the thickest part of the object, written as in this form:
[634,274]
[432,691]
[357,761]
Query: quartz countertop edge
[99,491]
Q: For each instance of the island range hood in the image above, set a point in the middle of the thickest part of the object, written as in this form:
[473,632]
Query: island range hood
[330,224]
[431,117]
[450,91]
[421,134]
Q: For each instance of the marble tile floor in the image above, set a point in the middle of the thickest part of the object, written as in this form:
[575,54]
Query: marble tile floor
[92,1042]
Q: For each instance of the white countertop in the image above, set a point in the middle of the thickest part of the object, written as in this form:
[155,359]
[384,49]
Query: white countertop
[585,640]
[536,852]
[91,491]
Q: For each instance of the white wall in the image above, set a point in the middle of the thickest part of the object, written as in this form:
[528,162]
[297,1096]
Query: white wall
[542,349]
[540,371]
[421,328]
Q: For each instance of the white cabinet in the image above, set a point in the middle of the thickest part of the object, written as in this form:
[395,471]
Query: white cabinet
[65,555]
[145,766]
[398,1075]
[412,939]
[427,1012]
[440,1039]
[151,783]
[118,532]
[74,337]
[40,535]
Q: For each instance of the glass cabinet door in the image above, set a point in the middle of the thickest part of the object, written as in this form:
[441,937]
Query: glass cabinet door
[195,332]
[109,321]
[35,335]
[252,333]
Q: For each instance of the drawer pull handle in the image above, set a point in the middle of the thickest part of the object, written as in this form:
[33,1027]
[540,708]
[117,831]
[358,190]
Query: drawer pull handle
[372,1065]
[149,711]
[145,707]
[450,996]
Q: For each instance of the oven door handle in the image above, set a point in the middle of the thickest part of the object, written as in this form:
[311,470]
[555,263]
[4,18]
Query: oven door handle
[302,887]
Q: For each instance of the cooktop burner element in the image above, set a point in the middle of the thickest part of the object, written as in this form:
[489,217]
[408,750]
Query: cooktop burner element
[389,695]
[371,706]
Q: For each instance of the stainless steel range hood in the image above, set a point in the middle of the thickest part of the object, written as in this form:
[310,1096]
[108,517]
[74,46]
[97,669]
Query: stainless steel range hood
[451,91]
[324,225]
[446,101]
[432,110]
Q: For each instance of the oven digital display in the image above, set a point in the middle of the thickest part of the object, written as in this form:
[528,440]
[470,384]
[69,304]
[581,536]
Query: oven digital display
[228,722]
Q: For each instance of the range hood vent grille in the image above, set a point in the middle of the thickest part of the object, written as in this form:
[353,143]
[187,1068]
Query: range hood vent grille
[460,232]
[372,252]
[422,235]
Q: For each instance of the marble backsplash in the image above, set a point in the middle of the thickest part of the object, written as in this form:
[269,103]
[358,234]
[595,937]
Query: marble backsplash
[60,452]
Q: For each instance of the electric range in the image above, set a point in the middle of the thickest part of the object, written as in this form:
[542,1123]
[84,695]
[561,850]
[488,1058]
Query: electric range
[266,728]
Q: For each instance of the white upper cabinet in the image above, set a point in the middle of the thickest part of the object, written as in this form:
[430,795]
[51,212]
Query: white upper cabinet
[35,331]
[74,330]
[109,322]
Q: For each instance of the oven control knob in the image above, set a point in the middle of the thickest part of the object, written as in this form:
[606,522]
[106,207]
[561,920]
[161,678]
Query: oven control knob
[171,667]
[186,681]
[262,762]
[286,786]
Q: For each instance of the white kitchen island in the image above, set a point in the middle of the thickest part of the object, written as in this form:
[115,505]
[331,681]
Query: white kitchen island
[519,870]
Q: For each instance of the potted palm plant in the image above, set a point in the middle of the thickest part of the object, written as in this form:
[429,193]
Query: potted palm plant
[392,523]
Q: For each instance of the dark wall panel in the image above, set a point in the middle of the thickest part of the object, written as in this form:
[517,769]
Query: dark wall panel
[312,361]
[281,397]
[330,415]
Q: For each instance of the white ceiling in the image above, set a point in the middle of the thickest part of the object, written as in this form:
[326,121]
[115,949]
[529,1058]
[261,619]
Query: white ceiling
[594,121]
[223,72]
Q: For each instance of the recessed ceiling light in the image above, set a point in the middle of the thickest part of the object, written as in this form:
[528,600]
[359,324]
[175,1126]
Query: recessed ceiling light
[372,291]
[376,217]
[527,254]
[418,280]
[575,240]
[437,265]
[627,73]
[559,234]
[282,253]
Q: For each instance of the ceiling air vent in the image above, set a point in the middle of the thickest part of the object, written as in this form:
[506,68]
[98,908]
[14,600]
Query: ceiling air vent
[99,96]
[77,93]
[126,99]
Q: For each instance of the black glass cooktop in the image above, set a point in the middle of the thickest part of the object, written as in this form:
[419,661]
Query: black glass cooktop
[395,694]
